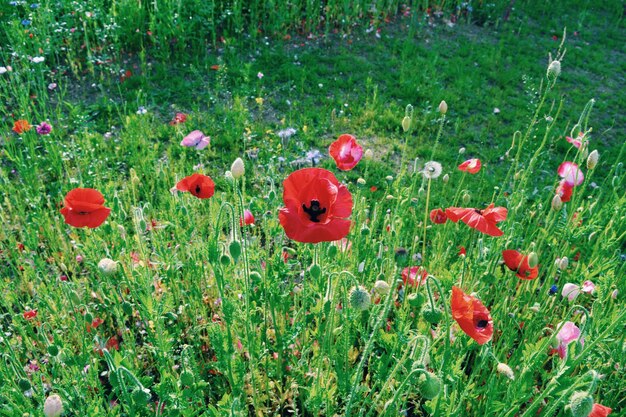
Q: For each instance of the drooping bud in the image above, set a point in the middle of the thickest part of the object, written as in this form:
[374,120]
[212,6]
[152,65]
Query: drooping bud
[107,266]
[443,107]
[533,259]
[53,406]
[557,203]
[430,385]
[580,404]
[592,159]
[360,298]
[381,287]
[466,198]
[505,370]
[238,169]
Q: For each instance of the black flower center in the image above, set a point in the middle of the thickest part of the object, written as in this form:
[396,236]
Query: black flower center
[198,189]
[314,210]
[482,324]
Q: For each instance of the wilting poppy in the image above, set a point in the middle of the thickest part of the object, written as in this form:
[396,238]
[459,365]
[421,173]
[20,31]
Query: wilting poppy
[248,218]
[414,276]
[196,139]
[564,190]
[482,220]
[471,165]
[438,216]
[578,141]
[178,119]
[599,410]
[346,152]
[21,126]
[518,263]
[570,173]
[84,208]
[316,206]
[472,316]
[198,185]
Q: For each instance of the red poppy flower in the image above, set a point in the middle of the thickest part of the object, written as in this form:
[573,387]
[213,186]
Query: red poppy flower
[248,218]
[316,206]
[346,152]
[84,208]
[21,126]
[438,216]
[30,314]
[179,118]
[94,324]
[471,165]
[482,220]
[564,190]
[600,411]
[410,276]
[462,251]
[215,67]
[518,263]
[472,316]
[198,185]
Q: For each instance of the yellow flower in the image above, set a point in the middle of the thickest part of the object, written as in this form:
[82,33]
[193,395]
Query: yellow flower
[305,128]
[259,101]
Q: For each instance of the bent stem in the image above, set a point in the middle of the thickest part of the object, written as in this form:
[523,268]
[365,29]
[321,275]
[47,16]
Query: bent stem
[425,222]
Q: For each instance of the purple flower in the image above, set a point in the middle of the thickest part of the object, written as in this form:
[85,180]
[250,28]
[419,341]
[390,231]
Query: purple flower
[44,128]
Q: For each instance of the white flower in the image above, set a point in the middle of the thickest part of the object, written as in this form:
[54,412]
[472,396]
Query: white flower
[570,291]
[286,133]
[554,69]
[432,170]
[259,75]
[38,59]
[53,406]
[142,110]
[3,70]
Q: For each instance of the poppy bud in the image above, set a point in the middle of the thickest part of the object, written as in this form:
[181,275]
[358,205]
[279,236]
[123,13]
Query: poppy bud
[389,178]
[563,263]
[187,378]
[443,107]
[365,230]
[580,404]
[554,69]
[461,150]
[360,298]
[505,370]
[235,249]
[381,287]
[134,179]
[127,308]
[518,175]
[533,260]
[368,154]
[107,266]
[592,160]
[360,182]
[430,385]
[535,308]
[315,271]
[432,314]
[53,350]
[466,198]
[331,252]
[445,178]
[229,176]
[141,396]
[416,300]
[557,203]
[406,123]
[238,169]
[53,406]
[614,294]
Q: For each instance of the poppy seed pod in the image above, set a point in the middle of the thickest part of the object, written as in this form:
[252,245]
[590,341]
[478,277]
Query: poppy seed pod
[360,298]
[557,203]
[592,159]
[238,169]
[107,266]
[580,404]
[53,406]
[443,107]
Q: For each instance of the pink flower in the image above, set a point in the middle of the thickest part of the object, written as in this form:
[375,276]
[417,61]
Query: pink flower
[471,165]
[570,173]
[570,291]
[346,152]
[248,218]
[44,128]
[569,332]
[196,139]
[588,287]
[576,142]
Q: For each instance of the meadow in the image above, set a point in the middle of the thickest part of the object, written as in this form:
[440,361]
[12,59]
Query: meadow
[337,207]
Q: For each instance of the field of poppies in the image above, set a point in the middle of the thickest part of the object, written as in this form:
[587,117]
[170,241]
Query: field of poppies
[333,208]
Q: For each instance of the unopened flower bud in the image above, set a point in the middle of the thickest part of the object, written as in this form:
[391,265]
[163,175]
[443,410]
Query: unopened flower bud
[238,168]
[368,154]
[592,159]
[445,178]
[360,298]
[563,263]
[443,107]
[389,178]
[430,386]
[381,287]
[229,176]
[461,151]
[360,181]
[107,266]
[580,404]
[557,203]
[466,198]
[406,123]
[53,406]
[533,259]
[614,294]
[505,370]
[554,69]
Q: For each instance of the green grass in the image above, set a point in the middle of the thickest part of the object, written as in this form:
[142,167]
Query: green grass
[207,332]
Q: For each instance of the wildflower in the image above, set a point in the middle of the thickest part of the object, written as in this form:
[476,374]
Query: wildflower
[44,128]
[580,404]
[142,110]
[443,107]
[570,291]
[238,169]
[588,287]
[26,22]
[313,156]
[568,333]
[199,185]
[3,70]
[178,119]
[553,289]
[107,266]
[519,264]
[414,276]
[614,294]
[571,174]
[248,218]
[346,152]
[432,170]
[482,220]
[20,126]
[592,159]
[505,370]
[360,298]
[564,191]
[259,75]
[599,410]
[406,123]
[285,134]
[554,69]
[215,67]
[472,316]
[471,165]
[381,287]
[196,139]
[259,101]
[445,178]
[38,59]
[52,86]
[53,406]
[29,314]
[576,142]
[438,216]
[316,206]
[84,207]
